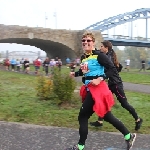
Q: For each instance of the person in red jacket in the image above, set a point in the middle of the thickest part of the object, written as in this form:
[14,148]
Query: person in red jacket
[7,63]
[37,65]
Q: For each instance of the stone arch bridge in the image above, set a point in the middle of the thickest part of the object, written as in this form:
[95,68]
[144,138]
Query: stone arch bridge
[55,42]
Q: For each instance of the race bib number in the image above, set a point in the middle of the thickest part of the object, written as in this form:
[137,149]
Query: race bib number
[84,67]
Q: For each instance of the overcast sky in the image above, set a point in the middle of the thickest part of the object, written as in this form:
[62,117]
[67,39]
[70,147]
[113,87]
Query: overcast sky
[67,14]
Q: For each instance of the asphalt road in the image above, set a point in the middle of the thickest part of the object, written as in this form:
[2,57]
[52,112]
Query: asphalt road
[131,86]
[17,136]
[137,87]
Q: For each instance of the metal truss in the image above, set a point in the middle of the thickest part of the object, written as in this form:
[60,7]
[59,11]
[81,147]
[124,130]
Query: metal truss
[143,13]
[22,53]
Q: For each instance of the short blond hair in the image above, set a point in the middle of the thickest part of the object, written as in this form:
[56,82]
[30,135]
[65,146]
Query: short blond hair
[89,34]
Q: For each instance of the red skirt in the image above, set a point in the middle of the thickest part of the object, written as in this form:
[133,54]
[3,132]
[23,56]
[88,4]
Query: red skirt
[102,96]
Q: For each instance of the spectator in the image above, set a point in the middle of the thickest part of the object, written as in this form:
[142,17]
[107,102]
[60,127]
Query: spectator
[26,66]
[37,64]
[72,66]
[52,65]
[7,63]
[148,66]
[18,64]
[78,61]
[45,65]
[13,64]
[68,62]
[56,59]
[59,64]
[127,64]
[143,65]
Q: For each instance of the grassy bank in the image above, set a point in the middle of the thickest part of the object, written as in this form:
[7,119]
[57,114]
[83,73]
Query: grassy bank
[19,103]
[136,77]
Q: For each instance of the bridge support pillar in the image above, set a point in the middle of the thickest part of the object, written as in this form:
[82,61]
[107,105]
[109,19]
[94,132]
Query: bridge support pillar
[146,28]
[131,29]
[39,54]
[7,54]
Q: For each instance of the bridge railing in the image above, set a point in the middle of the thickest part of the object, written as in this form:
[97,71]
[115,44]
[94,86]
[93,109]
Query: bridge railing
[125,37]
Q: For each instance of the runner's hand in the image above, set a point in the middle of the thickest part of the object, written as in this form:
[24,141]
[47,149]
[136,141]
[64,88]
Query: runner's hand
[96,81]
[72,74]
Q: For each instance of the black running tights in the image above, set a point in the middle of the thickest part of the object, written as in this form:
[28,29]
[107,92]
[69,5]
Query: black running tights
[86,111]
[121,97]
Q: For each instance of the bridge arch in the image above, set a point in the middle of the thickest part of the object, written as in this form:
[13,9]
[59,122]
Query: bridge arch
[52,48]
[55,42]
[143,13]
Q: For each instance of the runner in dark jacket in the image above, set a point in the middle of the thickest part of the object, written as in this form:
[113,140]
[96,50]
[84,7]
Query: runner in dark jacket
[46,65]
[116,86]
[95,93]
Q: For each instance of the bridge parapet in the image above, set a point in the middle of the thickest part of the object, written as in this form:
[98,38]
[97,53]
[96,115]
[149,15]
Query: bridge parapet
[126,37]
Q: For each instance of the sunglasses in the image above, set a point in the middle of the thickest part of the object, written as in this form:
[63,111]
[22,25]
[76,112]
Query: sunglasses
[86,40]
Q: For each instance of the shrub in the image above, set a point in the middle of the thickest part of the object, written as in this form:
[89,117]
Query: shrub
[63,86]
[59,87]
[44,87]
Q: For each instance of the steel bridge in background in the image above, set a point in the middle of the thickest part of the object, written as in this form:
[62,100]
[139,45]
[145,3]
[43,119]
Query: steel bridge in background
[120,40]
[21,54]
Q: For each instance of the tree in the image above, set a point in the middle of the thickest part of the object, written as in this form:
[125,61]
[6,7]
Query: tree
[136,54]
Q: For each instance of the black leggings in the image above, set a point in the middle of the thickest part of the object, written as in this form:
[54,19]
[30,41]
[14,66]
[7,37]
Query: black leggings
[46,70]
[86,111]
[121,97]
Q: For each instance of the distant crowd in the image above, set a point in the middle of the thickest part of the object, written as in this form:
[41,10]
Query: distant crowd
[47,65]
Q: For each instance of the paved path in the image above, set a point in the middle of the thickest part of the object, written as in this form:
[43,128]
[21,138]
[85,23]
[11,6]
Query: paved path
[19,136]
[137,87]
[132,87]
